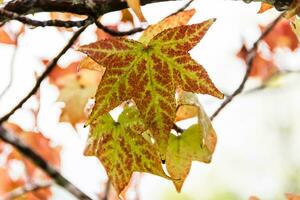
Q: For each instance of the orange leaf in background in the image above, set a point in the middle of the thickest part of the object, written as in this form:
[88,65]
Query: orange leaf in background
[253,198]
[58,72]
[292,196]
[42,146]
[136,7]
[5,38]
[6,183]
[76,88]
[127,16]
[281,36]
[264,7]
[261,67]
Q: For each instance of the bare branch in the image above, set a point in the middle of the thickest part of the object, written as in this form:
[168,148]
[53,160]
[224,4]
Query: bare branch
[81,7]
[57,23]
[117,33]
[249,62]
[182,8]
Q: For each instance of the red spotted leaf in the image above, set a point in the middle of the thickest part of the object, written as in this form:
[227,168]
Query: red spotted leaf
[122,149]
[150,75]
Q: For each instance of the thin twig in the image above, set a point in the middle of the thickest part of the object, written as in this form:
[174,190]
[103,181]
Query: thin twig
[11,71]
[117,33]
[36,23]
[182,8]
[49,68]
[25,189]
[250,58]
[265,84]
[135,30]
[177,128]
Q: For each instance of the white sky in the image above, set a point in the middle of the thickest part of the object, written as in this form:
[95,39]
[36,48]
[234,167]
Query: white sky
[258,133]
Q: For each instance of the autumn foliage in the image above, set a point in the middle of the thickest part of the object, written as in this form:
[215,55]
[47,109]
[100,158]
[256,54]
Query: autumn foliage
[154,81]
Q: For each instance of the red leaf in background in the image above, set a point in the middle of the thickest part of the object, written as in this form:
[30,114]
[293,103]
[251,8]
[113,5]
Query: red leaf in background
[58,72]
[261,67]
[282,35]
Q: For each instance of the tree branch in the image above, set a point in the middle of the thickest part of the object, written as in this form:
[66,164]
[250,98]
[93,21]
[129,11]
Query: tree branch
[117,33]
[81,7]
[250,58]
[57,23]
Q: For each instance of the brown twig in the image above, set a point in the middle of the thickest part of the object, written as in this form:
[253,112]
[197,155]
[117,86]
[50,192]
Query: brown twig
[249,62]
[117,33]
[182,8]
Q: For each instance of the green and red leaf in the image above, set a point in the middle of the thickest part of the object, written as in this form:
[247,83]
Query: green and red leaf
[122,149]
[150,74]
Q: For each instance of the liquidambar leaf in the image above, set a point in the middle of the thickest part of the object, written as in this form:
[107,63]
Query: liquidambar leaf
[122,149]
[150,74]
[182,150]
